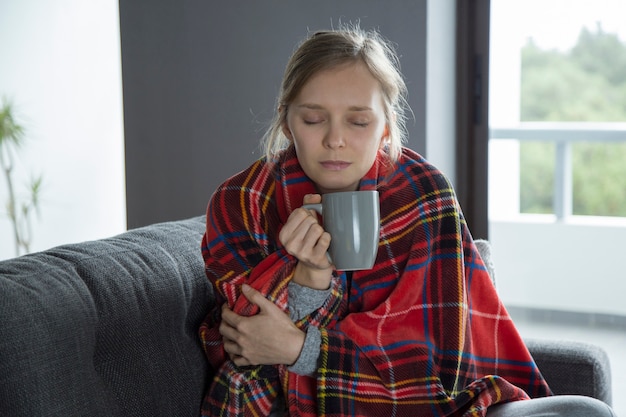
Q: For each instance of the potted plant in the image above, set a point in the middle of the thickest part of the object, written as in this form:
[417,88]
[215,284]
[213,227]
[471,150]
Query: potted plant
[19,212]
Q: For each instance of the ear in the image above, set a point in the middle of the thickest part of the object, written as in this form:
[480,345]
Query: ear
[285,125]
[287,131]
[384,139]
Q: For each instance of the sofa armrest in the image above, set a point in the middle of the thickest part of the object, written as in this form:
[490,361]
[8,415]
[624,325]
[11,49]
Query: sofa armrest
[107,327]
[575,368]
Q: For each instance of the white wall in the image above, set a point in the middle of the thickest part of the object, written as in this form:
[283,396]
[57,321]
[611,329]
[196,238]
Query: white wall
[441,86]
[576,265]
[61,67]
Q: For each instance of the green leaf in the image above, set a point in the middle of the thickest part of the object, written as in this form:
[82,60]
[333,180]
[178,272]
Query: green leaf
[11,132]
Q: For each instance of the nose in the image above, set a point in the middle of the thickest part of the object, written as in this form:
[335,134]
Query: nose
[334,138]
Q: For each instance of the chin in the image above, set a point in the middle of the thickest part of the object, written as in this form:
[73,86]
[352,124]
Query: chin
[336,183]
[337,188]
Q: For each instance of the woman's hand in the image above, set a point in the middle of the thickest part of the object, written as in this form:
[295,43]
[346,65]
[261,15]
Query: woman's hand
[267,338]
[304,238]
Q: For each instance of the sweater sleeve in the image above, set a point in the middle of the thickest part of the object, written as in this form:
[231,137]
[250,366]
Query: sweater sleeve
[307,361]
[302,302]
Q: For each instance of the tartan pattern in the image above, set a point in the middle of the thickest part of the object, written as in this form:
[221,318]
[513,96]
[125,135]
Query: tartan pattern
[422,333]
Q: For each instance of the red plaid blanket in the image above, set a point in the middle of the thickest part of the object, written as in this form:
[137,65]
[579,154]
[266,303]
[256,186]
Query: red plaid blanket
[421,334]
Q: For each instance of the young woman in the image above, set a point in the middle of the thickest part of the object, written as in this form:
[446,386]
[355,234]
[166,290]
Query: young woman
[423,333]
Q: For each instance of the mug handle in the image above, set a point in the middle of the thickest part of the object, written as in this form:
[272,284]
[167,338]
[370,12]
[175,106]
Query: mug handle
[317,207]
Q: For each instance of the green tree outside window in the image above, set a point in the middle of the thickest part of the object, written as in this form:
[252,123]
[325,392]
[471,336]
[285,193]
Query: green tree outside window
[584,84]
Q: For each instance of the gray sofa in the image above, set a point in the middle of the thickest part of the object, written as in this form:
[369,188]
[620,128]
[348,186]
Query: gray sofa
[109,328]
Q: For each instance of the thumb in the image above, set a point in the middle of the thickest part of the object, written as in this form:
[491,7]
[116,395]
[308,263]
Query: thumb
[255,297]
[312,199]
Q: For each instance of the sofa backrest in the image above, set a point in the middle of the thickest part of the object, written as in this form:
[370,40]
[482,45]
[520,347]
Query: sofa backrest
[107,327]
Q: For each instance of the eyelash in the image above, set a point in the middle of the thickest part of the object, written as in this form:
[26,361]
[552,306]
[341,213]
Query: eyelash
[314,122]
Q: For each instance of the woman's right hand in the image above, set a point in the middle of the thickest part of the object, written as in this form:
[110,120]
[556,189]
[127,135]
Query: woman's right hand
[305,239]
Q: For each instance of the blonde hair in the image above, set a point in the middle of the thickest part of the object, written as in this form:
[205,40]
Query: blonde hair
[329,49]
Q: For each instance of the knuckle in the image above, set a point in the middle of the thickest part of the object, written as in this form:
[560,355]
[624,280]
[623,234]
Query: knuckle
[325,239]
[291,248]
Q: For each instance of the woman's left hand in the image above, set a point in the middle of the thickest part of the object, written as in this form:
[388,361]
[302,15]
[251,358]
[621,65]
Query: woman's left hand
[267,338]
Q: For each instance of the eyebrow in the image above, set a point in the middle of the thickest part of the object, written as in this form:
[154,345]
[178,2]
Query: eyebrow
[318,107]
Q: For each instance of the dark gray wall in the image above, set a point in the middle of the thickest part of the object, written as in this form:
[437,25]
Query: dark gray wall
[200,80]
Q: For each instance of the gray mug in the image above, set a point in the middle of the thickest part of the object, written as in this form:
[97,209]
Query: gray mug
[353,220]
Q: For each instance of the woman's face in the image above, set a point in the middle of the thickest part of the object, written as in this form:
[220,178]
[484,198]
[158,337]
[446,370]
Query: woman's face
[337,125]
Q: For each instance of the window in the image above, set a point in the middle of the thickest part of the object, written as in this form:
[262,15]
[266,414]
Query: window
[61,70]
[557,188]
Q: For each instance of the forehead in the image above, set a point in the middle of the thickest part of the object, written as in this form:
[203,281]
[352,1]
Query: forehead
[350,84]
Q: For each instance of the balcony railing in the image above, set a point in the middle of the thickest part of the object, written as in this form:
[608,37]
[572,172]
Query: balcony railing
[563,265]
[563,135]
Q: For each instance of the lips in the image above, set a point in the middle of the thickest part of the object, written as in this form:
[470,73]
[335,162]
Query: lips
[335,165]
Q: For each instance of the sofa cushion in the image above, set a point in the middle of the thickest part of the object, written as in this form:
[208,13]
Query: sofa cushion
[107,327]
